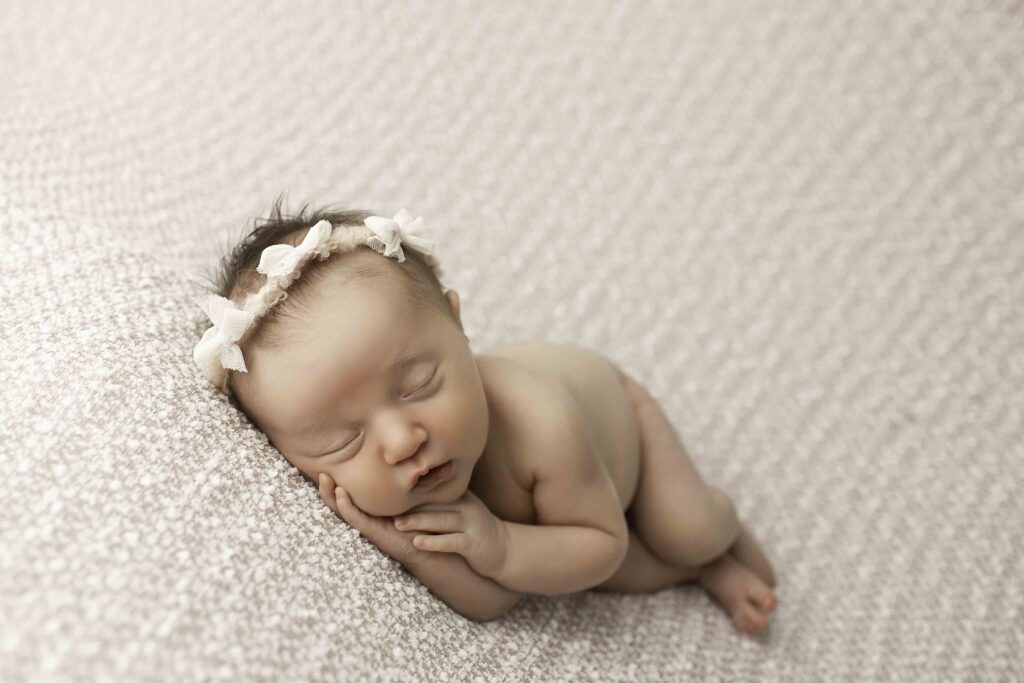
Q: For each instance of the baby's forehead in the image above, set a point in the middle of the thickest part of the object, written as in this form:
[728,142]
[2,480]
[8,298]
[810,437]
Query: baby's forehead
[362,273]
[343,327]
[359,304]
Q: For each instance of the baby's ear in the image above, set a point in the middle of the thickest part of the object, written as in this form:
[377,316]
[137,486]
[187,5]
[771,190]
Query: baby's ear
[453,301]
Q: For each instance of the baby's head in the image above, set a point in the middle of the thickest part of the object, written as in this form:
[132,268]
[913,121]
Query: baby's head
[355,363]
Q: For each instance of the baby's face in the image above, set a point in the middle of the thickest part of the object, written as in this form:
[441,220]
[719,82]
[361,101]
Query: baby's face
[374,392]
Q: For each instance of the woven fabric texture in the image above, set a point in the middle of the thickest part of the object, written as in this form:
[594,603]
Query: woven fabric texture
[799,223]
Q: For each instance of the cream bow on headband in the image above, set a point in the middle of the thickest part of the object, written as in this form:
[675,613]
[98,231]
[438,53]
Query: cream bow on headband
[281,259]
[392,232]
[218,350]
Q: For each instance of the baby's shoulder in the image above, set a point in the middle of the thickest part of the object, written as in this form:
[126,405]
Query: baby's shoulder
[535,409]
[526,381]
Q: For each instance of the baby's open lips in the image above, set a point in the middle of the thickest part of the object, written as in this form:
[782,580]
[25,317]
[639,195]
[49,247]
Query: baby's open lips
[424,471]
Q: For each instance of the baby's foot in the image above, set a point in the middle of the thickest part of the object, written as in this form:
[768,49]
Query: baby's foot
[742,592]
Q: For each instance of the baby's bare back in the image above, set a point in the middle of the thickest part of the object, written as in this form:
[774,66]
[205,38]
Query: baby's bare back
[594,384]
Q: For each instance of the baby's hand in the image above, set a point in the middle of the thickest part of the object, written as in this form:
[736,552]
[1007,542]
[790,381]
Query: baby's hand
[379,531]
[466,527]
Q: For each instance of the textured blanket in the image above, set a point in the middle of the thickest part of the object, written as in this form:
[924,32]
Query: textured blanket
[800,224]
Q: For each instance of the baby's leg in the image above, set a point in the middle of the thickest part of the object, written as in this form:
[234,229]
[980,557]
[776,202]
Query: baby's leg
[681,519]
[688,523]
[644,572]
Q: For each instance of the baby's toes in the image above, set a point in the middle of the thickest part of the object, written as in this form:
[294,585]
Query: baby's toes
[763,598]
[748,619]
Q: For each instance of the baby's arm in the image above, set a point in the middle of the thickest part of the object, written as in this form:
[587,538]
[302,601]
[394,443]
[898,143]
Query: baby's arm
[552,560]
[582,543]
[583,537]
[448,576]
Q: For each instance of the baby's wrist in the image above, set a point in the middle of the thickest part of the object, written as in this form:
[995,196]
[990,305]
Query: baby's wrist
[502,548]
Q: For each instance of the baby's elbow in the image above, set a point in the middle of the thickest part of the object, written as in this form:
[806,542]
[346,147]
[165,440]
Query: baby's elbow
[481,613]
[484,617]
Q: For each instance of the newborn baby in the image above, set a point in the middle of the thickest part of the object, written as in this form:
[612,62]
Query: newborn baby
[531,468]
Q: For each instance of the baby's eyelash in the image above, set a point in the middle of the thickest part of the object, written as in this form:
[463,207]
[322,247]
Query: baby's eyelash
[350,442]
[424,385]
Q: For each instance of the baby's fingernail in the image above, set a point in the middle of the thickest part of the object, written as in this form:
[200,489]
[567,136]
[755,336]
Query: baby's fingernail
[320,479]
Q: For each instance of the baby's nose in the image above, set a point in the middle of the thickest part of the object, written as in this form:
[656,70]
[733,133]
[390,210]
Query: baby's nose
[405,445]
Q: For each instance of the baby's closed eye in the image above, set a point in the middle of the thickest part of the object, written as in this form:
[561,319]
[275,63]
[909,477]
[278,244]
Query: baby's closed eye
[348,440]
[422,383]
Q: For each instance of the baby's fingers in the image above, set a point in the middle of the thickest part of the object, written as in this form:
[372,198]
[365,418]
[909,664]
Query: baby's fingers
[327,489]
[348,511]
[337,499]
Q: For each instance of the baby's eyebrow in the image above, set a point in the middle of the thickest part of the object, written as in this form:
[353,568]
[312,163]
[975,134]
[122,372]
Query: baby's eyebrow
[399,366]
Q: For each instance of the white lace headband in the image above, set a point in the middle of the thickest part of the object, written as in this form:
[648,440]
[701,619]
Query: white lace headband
[218,350]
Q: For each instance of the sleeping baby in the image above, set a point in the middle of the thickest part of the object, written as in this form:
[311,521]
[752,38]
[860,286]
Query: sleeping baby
[531,468]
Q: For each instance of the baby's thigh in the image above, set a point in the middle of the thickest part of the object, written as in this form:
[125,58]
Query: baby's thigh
[665,466]
[675,512]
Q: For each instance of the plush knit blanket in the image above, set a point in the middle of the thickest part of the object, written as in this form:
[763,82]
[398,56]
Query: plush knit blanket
[800,224]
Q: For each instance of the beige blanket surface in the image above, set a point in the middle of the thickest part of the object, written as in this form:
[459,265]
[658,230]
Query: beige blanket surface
[800,224]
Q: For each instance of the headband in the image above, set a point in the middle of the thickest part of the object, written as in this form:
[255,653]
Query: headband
[218,351]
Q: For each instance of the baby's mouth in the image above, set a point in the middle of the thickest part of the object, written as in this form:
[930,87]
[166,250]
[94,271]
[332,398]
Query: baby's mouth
[435,476]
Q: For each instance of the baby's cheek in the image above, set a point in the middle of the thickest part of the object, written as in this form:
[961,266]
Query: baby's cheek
[373,493]
[473,417]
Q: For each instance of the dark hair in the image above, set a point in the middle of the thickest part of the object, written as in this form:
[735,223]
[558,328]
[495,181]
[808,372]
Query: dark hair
[237,277]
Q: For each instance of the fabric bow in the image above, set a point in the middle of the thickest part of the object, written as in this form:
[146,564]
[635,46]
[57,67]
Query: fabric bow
[281,259]
[391,233]
[218,350]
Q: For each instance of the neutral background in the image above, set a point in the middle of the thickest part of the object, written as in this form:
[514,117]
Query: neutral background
[801,224]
